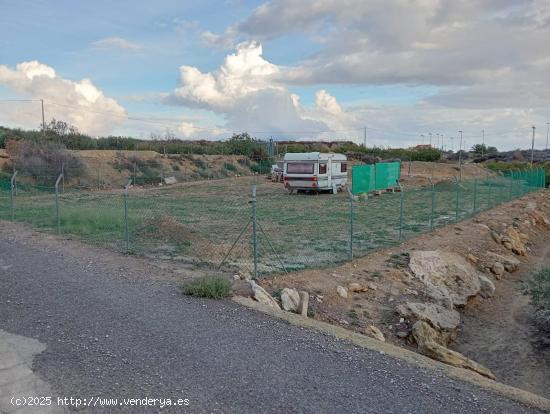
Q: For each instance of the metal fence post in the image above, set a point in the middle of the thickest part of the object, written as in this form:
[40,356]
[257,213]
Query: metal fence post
[457,199]
[57,217]
[402,195]
[511,185]
[254,234]
[13,192]
[433,204]
[126,228]
[350,226]
[475,196]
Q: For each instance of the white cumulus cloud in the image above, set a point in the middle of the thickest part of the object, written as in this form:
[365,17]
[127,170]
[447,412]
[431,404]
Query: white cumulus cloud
[80,103]
[245,89]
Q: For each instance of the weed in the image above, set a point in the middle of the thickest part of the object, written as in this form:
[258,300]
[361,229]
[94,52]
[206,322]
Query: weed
[215,287]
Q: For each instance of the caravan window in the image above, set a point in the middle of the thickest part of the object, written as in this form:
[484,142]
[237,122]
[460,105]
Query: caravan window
[299,168]
[343,167]
[322,168]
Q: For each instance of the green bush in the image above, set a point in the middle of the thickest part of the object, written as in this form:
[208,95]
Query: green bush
[215,287]
[230,167]
[538,289]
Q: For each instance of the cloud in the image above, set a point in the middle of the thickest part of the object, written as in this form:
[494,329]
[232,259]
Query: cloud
[245,90]
[115,43]
[426,42]
[80,103]
[225,41]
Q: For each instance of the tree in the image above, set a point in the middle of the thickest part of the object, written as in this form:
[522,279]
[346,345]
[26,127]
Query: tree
[60,128]
[482,149]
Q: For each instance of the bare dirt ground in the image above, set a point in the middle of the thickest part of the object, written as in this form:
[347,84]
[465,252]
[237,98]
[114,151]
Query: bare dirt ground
[500,333]
[496,332]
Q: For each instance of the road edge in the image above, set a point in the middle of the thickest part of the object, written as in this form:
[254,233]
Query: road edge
[363,341]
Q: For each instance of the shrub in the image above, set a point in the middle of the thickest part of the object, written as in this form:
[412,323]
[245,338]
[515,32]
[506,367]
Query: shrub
[230,167]
[215,287]
[538,288]
[43,160]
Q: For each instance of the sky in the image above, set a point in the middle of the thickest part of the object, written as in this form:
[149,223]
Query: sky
[393,72]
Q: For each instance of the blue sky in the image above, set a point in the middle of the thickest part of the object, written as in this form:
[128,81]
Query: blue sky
[353,65]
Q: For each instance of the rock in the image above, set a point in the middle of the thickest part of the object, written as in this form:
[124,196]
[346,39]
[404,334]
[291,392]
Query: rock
[539,218]
[261,295]
[452,274]
[496,237]
[290,299]
[472,258]
[236,277]
[356,287]
[304,303]
[242,288]
[427,339]
[440,295]
[515,241]
[511,264]
[436,315]
[372,286]
[497,269]
[342,291]
[487,287]
[375,333]
[401,334]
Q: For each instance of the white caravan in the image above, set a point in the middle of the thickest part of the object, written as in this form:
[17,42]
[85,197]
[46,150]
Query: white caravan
[315,171]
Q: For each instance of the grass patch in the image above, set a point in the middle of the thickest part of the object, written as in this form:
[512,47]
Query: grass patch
[215,287]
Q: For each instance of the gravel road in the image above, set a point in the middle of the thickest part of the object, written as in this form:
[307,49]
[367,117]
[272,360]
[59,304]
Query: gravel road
[114,328]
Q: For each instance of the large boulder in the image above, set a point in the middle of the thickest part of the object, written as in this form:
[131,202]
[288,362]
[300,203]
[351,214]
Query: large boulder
[290,299]
[439,317]
[452,276]
[428,340]
[261,295]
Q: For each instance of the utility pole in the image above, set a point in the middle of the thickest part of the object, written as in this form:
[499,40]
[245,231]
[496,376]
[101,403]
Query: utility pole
[547,133]
[422,136]
[365,137]
[430,134]
[533,146]
[453,144]
[460,155]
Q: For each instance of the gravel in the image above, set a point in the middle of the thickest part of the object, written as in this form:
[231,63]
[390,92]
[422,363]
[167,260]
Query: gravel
[115,329]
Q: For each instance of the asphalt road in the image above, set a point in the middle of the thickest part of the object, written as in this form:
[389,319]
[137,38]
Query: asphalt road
[114,329]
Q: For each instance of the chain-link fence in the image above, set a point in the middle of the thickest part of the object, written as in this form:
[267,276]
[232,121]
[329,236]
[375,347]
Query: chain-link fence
[257,228]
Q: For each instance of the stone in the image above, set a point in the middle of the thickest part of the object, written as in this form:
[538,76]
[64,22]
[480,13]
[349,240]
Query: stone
[515,241]
[496,237]
[342,291]
[242,288]
[487,287]
[427,340]
[372,286]
[375,333]
[436,315]
[497,269]
[511,264]
[290,299]
[304,303]
[356,287]
[472,258]
[452,275]
[401,334]
[261,295]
